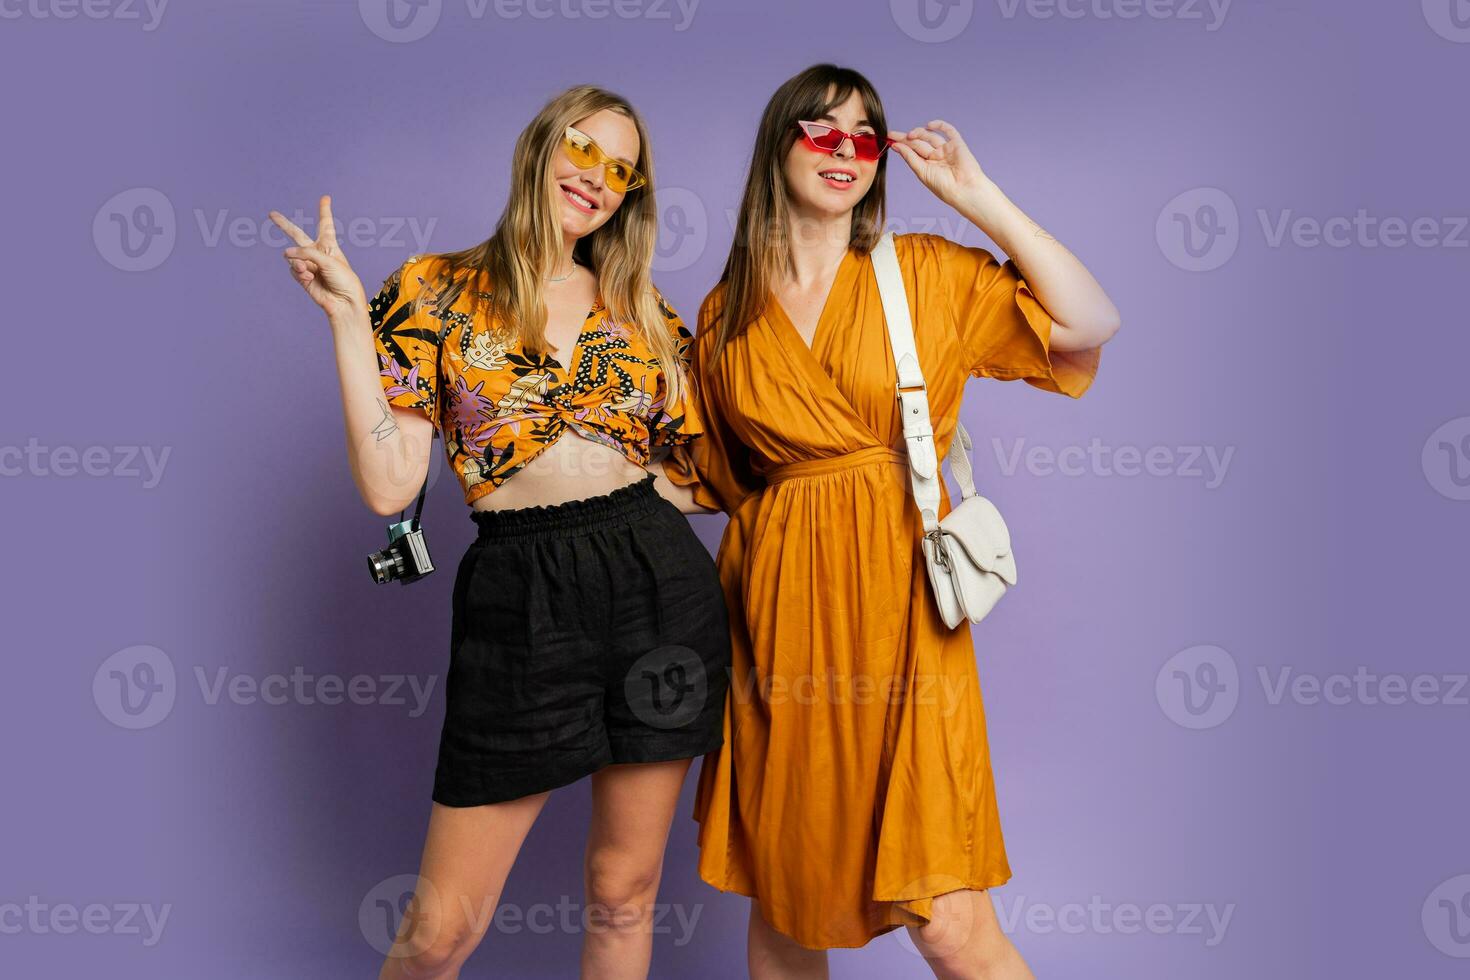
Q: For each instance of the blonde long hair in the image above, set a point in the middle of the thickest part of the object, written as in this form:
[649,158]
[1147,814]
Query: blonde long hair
[761,253]
[527,241]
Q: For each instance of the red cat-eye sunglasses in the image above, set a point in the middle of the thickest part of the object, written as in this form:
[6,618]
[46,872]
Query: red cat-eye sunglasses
[828,139]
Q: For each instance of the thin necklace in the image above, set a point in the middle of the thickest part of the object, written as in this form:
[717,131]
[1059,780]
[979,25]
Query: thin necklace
[562,278]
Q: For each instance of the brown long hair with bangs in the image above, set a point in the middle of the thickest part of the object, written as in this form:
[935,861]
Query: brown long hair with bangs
[761,251]
[527,241]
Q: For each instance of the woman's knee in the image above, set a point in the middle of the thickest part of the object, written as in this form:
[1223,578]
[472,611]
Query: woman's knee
[962,933]
[434,944]
[620,889]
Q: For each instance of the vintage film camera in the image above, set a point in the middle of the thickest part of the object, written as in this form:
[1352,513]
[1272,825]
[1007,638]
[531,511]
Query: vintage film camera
[406,559]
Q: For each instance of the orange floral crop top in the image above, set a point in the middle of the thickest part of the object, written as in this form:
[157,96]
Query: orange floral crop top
[499,407]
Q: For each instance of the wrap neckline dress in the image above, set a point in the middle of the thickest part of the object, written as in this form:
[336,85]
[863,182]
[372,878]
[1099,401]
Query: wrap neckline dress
[854,783]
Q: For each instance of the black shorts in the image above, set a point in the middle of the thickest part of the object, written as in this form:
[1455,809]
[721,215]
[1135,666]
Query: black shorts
[584,633]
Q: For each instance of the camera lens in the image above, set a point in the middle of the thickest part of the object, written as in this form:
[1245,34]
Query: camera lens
[384,565]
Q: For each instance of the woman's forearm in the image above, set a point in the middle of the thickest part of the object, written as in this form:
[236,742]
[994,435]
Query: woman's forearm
[388,451]
[1084,314]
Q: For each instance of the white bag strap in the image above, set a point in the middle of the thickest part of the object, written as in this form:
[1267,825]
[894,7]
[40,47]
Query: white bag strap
[913,395]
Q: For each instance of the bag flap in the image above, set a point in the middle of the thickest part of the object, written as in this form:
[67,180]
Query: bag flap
[975,526]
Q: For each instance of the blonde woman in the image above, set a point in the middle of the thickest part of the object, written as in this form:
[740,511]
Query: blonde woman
[853,793]
[588,635]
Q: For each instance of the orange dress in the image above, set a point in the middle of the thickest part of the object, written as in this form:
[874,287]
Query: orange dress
[854,782]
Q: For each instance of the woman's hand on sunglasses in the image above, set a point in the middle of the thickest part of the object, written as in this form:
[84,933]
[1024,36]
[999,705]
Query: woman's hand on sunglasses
[938,156]
[320,266]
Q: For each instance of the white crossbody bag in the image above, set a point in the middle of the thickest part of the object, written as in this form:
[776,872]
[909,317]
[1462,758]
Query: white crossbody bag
[969,552]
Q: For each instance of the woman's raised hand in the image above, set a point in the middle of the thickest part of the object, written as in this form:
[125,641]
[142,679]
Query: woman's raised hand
[940,159]
[320,265]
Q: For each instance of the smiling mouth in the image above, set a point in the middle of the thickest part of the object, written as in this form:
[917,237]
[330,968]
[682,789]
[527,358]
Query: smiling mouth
[838,178]
[578,201]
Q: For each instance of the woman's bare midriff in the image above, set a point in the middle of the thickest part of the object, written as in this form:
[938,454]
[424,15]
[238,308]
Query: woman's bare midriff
[572,468]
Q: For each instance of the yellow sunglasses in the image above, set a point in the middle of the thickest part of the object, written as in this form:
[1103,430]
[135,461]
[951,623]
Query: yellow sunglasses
[585,154]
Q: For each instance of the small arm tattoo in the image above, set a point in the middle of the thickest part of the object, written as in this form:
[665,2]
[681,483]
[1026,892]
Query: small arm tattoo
[387,425]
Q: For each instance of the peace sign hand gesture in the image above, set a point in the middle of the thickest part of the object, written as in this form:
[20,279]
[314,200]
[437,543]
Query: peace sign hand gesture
[945,166]
[320,265]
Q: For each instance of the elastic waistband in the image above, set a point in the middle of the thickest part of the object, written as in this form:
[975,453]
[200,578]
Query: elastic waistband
[621,505]
[866,456]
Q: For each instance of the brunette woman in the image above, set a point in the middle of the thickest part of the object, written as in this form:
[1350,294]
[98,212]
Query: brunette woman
[853,792]
[588,632]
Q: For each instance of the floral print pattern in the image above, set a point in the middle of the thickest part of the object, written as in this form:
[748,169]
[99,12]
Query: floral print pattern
[498,406]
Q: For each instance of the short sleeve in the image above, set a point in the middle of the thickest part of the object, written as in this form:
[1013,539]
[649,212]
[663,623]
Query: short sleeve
[407,341]
[677,421]
[1004,331]
[716,466]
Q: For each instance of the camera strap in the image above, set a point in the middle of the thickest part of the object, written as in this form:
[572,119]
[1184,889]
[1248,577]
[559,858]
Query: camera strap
[419,507]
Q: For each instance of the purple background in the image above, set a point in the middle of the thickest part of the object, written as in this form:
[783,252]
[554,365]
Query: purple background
[1323,828]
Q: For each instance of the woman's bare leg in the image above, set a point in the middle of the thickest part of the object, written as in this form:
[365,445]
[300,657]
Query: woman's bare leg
[775,956]
[964,941]
[467,855]
[632,808]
